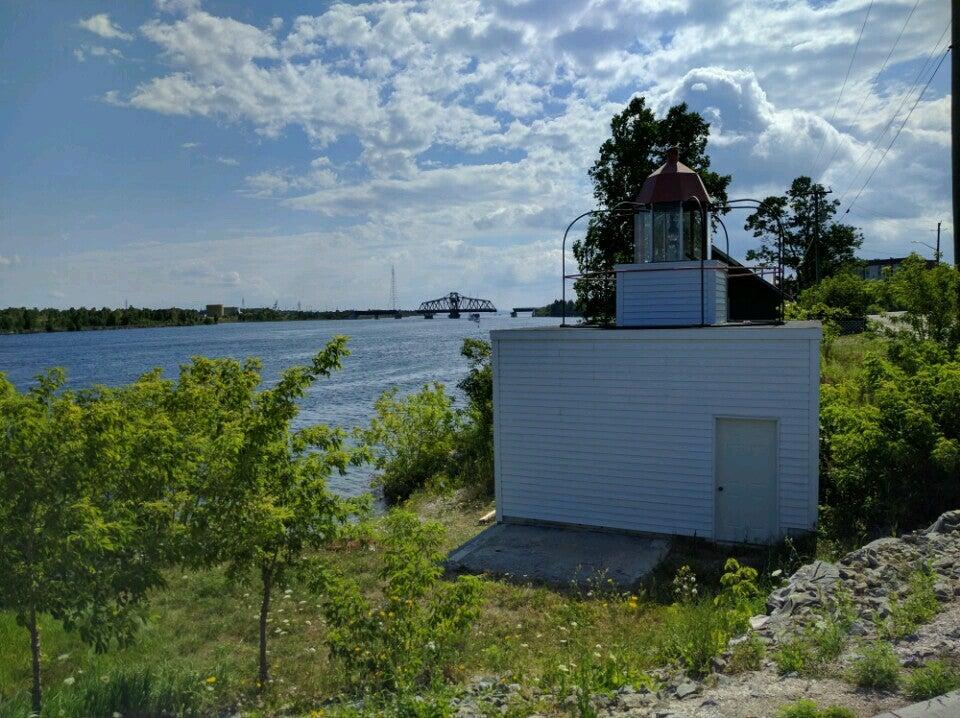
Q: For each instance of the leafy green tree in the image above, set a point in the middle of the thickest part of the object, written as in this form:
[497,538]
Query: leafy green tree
[411,440]
[84,517]
[635,148]
[259,501]
[931,300]
[845,291]
[804,212]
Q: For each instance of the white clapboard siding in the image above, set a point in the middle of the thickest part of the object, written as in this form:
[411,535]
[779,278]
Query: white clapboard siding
[668,294]
[615,427]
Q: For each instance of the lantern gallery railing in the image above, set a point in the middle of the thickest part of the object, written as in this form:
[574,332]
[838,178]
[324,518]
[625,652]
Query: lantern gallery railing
[774,272]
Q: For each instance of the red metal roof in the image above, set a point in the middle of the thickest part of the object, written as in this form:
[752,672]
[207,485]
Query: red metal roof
[673,182]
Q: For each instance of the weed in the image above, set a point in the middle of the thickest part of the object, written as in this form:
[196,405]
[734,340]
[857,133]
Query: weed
[806,708]
[878,667]
[795,655]
[918,607]
[828,638]
[932,679]
[747,655]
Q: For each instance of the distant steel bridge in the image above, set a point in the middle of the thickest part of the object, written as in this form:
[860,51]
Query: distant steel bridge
[454,303]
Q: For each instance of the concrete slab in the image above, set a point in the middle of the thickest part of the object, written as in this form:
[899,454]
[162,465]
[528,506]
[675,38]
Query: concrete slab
[559,556]
[945,706]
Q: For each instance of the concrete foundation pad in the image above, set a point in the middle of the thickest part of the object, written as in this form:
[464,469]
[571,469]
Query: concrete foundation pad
[559,556]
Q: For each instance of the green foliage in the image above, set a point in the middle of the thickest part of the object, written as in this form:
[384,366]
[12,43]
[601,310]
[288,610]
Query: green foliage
[932,679]
[809,653]
[556,309]
[411,636]
[805,708]
[739,598]
[412,440]
[259,499]
[747,655]
[86,516]
[844,294]
[795,655]
[931,299]
[878,668]
[473,456]
[421,441]
[696,630]
[637,143]
[802,218]
[890,442]
[131,692]
[918,606]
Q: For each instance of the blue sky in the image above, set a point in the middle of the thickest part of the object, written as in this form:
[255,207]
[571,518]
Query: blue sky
[174,152]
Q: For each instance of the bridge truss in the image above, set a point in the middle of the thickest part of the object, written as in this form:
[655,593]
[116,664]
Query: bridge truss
[454,303]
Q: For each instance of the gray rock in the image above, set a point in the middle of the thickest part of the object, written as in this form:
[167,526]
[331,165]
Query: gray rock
[947,523]
[686,689]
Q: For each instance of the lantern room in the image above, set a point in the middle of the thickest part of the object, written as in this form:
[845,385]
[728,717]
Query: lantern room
[673,225]
[673,280]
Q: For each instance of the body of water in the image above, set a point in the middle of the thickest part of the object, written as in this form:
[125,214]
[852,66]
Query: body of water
[385,353]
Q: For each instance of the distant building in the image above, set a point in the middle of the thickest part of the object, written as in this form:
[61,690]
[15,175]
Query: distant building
[875,268]
[215,311]
[231,312]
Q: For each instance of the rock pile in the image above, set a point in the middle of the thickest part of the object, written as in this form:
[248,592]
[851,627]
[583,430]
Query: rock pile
[869,578]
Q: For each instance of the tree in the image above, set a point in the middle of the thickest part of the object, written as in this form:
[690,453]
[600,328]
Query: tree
[814,245]
[931,298]
[260,500]
[635,148]
[84,520]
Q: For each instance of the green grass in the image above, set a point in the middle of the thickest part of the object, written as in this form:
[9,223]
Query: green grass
[916,608]
[806,708]
[747,655]
[932,679]
[878,668]
[197,651]
[846,356]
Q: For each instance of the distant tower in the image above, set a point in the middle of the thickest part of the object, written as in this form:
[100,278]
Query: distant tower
[393,287]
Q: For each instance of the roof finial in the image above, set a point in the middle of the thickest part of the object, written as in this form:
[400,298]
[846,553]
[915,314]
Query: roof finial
[673,155]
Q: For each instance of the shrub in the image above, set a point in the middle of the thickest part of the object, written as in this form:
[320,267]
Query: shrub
[693,634]
[411,440]
[411,636]
[918,607]
[878,667]
[740,598]
[932,679]
[806,708]
[747,655]
[473,458]
[795,655]
[828,638]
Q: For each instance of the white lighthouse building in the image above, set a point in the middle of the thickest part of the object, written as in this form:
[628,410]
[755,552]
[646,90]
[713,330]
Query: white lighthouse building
[677,421]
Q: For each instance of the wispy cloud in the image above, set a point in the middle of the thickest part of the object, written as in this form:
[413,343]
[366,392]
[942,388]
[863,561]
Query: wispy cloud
[103,26]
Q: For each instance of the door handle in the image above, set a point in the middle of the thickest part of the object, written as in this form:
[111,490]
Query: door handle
[719,488]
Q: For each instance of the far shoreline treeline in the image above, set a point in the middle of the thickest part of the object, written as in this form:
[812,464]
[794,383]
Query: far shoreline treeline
[33,320]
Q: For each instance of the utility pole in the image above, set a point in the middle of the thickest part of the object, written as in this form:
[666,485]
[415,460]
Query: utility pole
[936,254]
[955,124]
[816,235]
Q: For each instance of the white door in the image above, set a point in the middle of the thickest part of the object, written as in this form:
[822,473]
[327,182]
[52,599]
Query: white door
[746,475]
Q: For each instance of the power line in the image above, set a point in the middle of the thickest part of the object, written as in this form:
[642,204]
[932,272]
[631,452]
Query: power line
[843,86]
[899,129]
[867,153]
[866,94]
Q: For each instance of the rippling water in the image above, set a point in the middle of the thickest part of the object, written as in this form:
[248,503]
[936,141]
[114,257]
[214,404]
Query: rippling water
[384,353]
